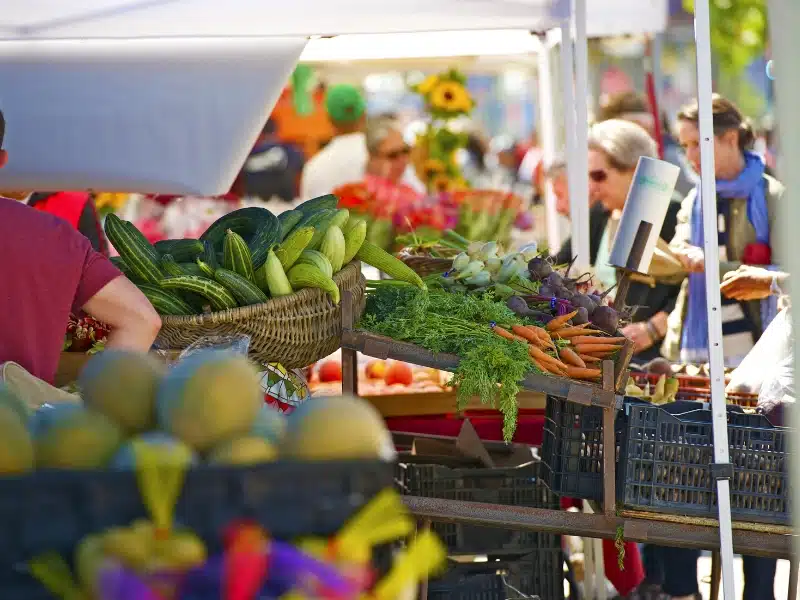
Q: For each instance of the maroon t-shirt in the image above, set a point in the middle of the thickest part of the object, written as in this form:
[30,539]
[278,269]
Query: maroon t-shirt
[47,270]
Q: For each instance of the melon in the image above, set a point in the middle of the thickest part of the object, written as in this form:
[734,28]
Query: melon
[246,450]
[81,439]
[337,428]
[122,385]
[49,414]
[209,397]
[269,424]
[16,449]
[166,445]
[11,400]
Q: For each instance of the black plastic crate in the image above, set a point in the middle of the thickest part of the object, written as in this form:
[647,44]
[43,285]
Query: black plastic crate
[667,458]
[53,511]
[517,486]
[540,575]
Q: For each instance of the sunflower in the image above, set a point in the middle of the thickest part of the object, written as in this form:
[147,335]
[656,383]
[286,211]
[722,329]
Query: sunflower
[450,97]
[433,167]
[440,183]
[427,84]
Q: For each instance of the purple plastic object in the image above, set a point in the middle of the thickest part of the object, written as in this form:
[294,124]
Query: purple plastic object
[117,583]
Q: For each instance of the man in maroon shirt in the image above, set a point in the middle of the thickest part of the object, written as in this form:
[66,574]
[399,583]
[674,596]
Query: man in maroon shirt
[49,269]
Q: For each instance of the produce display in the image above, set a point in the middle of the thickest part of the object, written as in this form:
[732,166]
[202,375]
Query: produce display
[138,414]
[378,378]
[248,256]
[504,317]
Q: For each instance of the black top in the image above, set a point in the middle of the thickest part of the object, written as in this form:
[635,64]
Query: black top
[598,218]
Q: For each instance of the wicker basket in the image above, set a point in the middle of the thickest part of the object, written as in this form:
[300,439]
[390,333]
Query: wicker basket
[294,330]
[425,265]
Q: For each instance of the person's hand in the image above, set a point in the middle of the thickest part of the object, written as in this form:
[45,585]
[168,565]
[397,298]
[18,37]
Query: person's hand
[692,259]
[748,283]
[638,334]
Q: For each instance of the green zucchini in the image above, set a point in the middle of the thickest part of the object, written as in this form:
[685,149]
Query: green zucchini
[310,207]
[181,250]
[247,222]
[120,264]
[245,292]
[266,237]
[206,270]
[320,222]
[165,303]
[236,255]
[219,297]
[136,252]
[288,220]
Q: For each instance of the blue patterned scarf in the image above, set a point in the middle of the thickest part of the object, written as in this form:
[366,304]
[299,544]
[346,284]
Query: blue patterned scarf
[749,184]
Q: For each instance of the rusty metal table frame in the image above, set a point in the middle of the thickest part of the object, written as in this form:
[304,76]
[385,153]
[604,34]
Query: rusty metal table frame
[605,524]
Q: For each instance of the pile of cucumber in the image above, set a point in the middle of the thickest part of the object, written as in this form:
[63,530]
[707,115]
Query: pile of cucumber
[248,256]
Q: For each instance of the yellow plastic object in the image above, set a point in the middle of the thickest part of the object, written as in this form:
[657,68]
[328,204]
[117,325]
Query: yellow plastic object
[160,472]
[425,556]
[55,575]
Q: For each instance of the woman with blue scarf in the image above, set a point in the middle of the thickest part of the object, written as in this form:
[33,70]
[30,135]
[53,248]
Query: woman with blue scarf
[747,200]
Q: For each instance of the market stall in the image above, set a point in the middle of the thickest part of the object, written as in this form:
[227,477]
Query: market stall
[568,395]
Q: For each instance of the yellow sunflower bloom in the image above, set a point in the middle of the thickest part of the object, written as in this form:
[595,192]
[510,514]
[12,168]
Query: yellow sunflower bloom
[450,96]
[440,183]
[428,84]
[433,167]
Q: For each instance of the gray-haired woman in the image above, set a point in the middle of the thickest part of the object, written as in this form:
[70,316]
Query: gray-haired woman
[615,147]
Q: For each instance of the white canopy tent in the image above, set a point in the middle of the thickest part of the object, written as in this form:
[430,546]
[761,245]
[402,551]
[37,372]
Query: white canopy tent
[114,83]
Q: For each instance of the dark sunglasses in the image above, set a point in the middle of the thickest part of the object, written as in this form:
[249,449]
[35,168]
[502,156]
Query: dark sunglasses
[598,176]
[395,154]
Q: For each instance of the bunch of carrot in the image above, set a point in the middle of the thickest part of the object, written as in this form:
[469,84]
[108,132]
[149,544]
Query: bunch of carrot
[585,346]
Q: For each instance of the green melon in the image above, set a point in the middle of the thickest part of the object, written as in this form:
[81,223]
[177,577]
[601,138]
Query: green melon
[209,397]
[49,414]
[11,400]
[122,385]
[80,439]
[16,449]
[245,450]
[337,428]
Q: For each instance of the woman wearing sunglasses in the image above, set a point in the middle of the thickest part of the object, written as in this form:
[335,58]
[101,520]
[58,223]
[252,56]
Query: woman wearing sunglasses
[615,147]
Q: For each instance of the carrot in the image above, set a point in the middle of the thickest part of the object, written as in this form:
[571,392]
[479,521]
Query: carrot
[549,362]
[597,339]
[526,333]
[588,338]
[560,321]
[595,348]
[579,373]
[537,365]
[540,331]
[569,332]
[504,333]
[544,337]
[588,358]
[568,357]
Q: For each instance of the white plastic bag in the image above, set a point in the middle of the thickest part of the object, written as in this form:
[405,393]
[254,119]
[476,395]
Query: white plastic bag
[773,348]
[777,390]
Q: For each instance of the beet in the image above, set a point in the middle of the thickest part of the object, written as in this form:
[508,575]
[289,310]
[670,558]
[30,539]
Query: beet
[518,306]
[540,316]
[581,317]
[564,293]
[584,301]
[659,366]
[539,268]
[554,280]
[606,318]
[547,291]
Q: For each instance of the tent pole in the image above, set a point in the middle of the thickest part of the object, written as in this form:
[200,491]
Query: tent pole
[568,97]
[579,199]
[722,469]
[784,20]
[548,140]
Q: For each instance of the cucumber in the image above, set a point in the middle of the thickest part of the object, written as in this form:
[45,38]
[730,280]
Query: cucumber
[244,221]
[288,220]
[316,259]
[206,270]
[219,297]
[243,290]
[165,303]
[171,267]
[290,249]
[236,255]
[181,250]
[190,268]
[120,264]
[137,253]
[266,237]
[310,207]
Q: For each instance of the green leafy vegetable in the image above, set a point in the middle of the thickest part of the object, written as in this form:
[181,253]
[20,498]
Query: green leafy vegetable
[457,323]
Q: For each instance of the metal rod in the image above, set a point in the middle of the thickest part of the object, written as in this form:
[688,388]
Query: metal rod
[521,518]
[547,138]
[579,195]
[349,356]
[702,28]
[793,568]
